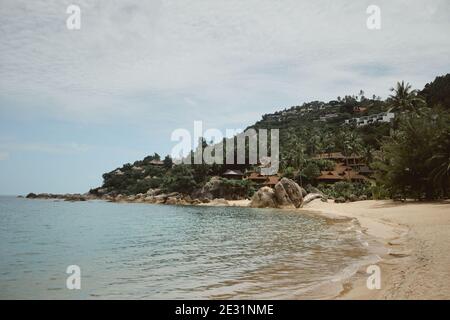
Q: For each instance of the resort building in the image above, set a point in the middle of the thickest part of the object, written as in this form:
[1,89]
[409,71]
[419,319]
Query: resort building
[350,168]
[156,163]
[260,180]
[233,174]
[374,118]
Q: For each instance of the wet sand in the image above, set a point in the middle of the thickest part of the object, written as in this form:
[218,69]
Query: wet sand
[416,262]
[411,238]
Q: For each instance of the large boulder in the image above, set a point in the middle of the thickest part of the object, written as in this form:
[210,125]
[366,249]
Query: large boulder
[288,193]
[311,196]
[153,192]
[282,198]
[212,189]
[172,200]
[264,198]
[217,188]
[160,198]
[312,189]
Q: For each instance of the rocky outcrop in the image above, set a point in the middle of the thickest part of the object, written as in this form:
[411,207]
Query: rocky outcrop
[171,200]
[264,198]
[66,197]
[288,193]
[312,189]
[75,197]
[282,198]
[217,188]
[211,190]
[312,196]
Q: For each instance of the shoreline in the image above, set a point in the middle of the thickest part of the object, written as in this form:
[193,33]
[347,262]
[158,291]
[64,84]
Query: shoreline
[411,239]
[415,236]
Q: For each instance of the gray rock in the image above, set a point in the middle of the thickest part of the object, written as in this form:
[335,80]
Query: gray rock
[312,189]
[282,197]
[172,200]
[153,192]
[160,198]
[287,188]
[312,196]
[264,198]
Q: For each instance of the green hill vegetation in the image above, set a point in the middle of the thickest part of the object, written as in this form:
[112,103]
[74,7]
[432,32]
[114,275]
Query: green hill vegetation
[410,154]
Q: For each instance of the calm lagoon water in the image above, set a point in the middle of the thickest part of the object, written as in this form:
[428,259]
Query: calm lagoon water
[141,251]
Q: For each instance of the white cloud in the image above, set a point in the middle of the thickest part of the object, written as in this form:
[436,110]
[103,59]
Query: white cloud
[179,60]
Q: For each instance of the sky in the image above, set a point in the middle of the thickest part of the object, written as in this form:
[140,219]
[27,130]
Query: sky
[77,103]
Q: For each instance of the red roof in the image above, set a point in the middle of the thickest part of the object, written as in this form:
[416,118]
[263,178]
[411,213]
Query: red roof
[330,176]
[233,173]
[272,180]
[256,176]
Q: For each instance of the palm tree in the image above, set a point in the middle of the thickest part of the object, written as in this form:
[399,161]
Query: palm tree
[367,152]
[440,161]
[403,98]
[350,144]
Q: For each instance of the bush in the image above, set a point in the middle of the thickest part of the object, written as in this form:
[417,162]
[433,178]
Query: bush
[347,190]
[237,188]
[180,179]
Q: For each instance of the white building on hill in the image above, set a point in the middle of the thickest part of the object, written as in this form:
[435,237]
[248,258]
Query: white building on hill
[374,118]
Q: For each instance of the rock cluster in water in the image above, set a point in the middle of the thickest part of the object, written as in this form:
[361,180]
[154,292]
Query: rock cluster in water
[152,196]
[286,194]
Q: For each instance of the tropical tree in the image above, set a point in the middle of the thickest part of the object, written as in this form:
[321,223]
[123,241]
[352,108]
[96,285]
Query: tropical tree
[403,98]
[180,179]
[415,158]
[168,162]
[349,142]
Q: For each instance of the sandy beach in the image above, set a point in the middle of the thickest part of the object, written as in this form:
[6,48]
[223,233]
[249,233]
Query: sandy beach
[411,238]
[416,236]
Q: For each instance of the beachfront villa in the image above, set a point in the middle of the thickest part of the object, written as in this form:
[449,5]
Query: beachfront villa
[233,174]
[347,168]
[262,180]
[254,176]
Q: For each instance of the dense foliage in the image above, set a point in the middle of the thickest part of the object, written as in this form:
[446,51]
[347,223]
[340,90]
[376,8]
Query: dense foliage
[410,155]
[415,160]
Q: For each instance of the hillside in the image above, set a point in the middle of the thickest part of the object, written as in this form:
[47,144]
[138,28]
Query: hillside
[354,124]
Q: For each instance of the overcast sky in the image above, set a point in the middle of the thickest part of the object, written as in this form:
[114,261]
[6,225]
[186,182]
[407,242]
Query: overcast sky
[77,103]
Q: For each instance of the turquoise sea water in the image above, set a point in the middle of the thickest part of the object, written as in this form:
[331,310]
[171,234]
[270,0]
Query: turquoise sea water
[142,251]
